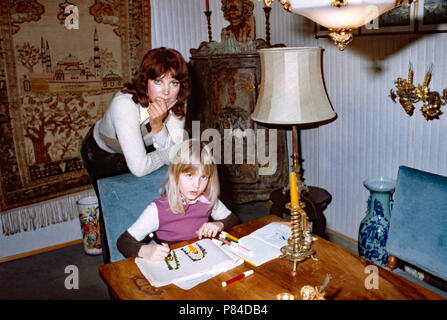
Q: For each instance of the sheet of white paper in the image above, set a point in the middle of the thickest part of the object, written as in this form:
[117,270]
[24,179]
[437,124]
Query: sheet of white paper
[190,272]
[191,283]
[275,234]
[265,243]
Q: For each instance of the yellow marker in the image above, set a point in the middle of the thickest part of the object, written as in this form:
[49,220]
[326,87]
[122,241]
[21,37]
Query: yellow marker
[228,236]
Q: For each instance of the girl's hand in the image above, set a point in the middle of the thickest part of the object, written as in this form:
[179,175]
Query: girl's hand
[210,229]
[154,252]
[158,110]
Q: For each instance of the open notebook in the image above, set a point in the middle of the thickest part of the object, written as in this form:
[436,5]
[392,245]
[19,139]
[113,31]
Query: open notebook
[189,265]
[265,243]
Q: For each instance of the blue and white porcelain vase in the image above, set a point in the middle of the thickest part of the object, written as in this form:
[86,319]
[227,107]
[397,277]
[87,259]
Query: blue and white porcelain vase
[373,231]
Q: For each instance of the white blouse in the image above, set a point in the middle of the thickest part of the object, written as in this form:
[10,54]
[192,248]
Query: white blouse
[122,121]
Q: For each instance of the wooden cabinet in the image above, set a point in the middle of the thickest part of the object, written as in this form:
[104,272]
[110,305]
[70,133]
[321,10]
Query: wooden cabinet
[224,92]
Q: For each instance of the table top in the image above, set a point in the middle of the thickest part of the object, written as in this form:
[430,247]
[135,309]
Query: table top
[350,277]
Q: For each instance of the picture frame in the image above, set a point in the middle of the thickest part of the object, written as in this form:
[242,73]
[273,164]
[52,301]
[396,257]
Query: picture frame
[431,15]
[398,20]
[320,31]
[422,16]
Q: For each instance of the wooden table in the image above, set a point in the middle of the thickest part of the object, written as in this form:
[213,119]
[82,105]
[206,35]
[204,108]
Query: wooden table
[125,281]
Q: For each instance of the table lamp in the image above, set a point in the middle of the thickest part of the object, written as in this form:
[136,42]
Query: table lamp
[292,94]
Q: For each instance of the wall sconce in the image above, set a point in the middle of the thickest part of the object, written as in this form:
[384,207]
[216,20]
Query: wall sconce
[341,17]
[409,94]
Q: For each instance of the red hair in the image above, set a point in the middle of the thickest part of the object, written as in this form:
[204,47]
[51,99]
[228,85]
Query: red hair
[155,63]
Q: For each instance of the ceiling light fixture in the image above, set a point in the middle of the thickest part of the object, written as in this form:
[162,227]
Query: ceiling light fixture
[341,17]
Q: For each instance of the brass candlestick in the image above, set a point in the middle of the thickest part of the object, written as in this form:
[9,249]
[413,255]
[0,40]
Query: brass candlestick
[267,11]
[298,248]
[208,20]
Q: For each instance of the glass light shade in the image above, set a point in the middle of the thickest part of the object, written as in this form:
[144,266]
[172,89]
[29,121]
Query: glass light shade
[351,16]
[292,90]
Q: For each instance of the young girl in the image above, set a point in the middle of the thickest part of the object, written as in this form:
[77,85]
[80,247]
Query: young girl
[192,189]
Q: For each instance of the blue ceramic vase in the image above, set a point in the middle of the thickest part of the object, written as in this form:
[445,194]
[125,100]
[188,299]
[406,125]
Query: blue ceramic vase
[373,231]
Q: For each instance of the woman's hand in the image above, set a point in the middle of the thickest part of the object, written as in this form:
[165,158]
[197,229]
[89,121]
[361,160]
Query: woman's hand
[158,110]
[210,229]
[154,252]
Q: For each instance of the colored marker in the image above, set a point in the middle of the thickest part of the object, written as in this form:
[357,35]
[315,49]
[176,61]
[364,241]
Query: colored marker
[157,241]
[239,277]
[225,241]
[241,249]
[229,236]
[237,247]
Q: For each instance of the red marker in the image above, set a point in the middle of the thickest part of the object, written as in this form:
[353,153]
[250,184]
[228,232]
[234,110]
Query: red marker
[239,277]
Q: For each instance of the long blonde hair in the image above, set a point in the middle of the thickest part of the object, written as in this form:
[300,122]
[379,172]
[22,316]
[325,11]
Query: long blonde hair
[191,155]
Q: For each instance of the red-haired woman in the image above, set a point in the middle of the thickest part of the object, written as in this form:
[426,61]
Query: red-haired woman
[143,120]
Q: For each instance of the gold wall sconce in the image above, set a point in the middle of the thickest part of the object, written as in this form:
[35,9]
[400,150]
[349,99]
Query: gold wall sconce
[409,94]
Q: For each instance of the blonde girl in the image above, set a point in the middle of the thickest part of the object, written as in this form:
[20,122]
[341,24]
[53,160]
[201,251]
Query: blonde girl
[189,209]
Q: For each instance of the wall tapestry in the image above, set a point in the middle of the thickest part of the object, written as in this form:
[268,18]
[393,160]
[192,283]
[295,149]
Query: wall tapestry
[59,69]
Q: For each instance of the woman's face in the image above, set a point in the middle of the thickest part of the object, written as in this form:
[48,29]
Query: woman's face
[165,87]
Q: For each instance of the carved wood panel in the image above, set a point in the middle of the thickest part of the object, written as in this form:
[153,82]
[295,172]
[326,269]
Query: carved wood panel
[225,89]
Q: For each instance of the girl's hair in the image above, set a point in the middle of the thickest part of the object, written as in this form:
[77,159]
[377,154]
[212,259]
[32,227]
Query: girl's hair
[191,155]
[155,63]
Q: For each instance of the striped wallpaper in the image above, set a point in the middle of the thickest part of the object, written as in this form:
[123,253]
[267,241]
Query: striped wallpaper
[372,136]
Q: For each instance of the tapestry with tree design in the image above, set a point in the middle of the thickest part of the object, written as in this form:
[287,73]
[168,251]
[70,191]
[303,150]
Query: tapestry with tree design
[59,69]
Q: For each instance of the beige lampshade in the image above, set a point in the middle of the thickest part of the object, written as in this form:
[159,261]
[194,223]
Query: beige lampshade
[354,14]
[292,90]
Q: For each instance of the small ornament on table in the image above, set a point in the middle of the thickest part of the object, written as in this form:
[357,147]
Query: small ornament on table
[285,296]
[311,293]
[315,292]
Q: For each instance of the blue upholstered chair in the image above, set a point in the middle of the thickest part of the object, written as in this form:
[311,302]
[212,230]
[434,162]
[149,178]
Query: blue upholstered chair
[418,226]
[123,198]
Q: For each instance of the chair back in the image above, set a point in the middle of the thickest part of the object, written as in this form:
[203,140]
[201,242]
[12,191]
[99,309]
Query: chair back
[418,226]
[123,199]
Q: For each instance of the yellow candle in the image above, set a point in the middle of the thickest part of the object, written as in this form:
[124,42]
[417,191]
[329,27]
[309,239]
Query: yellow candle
[410,76]
[427,79]
[293,190]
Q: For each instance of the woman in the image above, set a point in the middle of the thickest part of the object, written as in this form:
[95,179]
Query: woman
[143,120]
